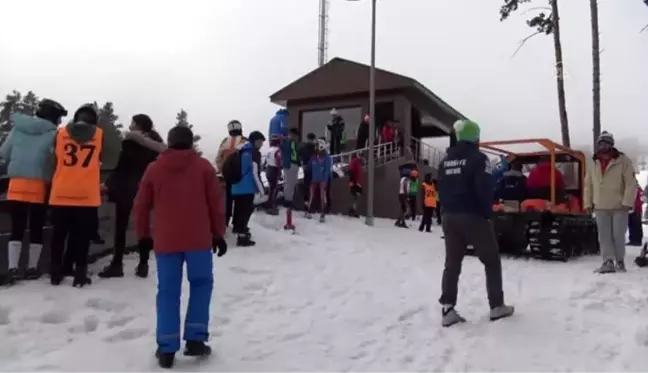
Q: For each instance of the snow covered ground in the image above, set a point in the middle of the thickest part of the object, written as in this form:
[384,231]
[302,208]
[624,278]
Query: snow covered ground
[341,296]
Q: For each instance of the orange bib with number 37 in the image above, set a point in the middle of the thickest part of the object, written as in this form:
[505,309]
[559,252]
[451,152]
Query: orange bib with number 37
[76,179]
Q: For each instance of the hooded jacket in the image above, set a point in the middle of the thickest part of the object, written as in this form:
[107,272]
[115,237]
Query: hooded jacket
[29,148]
[180,184]
[250,172]
[321,166]
[279,124]
[111,144]
[137,152]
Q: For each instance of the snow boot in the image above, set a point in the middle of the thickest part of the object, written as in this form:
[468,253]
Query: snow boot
[308,215]
[113,270]
[56,275]
[401,223]
[197,349]
[606,267]
[449,316]
[81,278]
[421,228]
[322,218]
[289,227]
[272,211]
[6,280]
[641,261]
[501,312]
[620,266]
[165,359]
[142,270]
[32,274]
[353,213]
[244,240]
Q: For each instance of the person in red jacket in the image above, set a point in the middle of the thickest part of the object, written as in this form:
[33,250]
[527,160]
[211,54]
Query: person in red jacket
[387,133]
[355,183]
[538,182]
[182,193]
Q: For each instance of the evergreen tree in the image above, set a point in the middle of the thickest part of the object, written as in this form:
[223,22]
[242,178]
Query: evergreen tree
[107,115]
[29,104]
[183,121]
[10,105]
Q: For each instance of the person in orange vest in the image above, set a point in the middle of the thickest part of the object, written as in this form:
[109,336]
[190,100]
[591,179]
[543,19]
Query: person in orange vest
[28,150]
[429,203]
[81,149]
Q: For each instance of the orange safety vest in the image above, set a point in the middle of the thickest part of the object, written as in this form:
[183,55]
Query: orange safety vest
[430,198]
[76,179]
[26,190]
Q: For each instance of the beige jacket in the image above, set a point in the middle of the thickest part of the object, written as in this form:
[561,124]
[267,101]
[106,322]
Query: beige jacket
[227,146]
[613,189]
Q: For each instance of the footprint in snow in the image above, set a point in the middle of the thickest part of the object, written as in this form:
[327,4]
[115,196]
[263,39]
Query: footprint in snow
[4,315]
[54,317]
[127,335]
[105,305]
[90,324]
[119,321]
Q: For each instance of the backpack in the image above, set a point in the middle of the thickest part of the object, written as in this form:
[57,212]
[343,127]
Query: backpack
[232,168]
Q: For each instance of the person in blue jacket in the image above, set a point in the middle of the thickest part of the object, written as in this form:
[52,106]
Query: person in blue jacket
[247,188]
[320,166]
[279,125]
[466,192]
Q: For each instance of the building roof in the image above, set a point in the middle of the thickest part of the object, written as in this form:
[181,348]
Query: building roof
[341,77]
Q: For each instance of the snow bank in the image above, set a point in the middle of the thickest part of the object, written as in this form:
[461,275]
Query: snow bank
[341,296]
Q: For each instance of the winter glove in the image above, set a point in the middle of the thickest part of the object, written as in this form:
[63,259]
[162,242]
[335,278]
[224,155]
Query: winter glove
[219,246]
[145,244]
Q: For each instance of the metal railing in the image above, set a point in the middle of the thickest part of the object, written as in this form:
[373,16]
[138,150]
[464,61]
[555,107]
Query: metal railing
[385,153]
[423,151]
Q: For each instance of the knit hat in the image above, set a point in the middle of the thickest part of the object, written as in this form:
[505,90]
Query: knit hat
[180,138]
[606,137]
[466,130]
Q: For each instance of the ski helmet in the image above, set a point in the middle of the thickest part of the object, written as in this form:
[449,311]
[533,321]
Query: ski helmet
[87,113]
[51,110]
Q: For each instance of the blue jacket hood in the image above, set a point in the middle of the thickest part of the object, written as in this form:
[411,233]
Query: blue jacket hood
[32,125]
[282,112]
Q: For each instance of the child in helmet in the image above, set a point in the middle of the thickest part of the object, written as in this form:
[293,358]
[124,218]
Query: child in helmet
[320,166]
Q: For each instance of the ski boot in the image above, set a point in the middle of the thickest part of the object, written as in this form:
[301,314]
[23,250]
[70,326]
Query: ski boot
[197,349]
[165,359]
[244,240]
[113,270]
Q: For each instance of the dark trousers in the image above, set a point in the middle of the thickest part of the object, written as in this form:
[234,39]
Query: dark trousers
[411,201]
[272,174]
[122,216]
[25,214]
[243,208]
[308,176]
[461,230]
[635,230]
[229,203]
[336,143]
[74,224]
[402,200]
[426,220]
[438,213]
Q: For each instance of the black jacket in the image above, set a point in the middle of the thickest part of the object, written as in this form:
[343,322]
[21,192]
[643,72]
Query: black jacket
[465,181]
[336,126]
[306,152]
[133,160]
[512,186]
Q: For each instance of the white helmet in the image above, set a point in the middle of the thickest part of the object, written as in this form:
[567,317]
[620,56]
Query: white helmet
[234,125]
[334,111]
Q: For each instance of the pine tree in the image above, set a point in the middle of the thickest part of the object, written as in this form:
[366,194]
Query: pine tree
[107,116]
[29,104]
[10,105]
[548,24]
[182,121]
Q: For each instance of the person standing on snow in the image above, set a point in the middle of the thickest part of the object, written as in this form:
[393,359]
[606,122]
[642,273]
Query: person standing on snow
[609,190]
[273,174]
[290,163]
[28,152]
[279,125]
[355,183]
[250,185]
[307,152]
[320,165]
[412,193]
[140,147]
[181,184]
[336,131]
[429,203]
[228,146]
[466,191]
[81,149]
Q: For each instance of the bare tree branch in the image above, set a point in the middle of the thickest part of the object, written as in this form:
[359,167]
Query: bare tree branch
[644,29]
[536,8]
[523,41]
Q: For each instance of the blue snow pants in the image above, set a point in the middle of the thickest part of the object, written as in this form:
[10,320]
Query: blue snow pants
[201,282]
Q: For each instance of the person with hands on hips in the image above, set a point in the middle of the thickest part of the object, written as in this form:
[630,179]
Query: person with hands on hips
[181,183]
[609,191]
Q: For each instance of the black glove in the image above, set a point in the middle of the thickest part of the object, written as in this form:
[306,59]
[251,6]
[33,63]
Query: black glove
[145,244]
[219,246]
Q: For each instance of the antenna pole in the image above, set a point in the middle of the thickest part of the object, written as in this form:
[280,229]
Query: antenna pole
[322,45]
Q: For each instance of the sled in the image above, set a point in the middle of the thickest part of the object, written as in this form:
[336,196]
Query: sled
[550,224]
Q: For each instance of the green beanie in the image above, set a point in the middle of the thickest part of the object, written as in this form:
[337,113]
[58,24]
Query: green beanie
[466,130]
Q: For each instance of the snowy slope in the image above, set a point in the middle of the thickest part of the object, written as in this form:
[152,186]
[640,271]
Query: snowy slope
[341,296]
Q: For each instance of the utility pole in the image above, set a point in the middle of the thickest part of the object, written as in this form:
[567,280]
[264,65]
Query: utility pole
[322,45]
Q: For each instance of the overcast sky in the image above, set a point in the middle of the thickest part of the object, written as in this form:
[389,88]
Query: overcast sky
[221,59]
